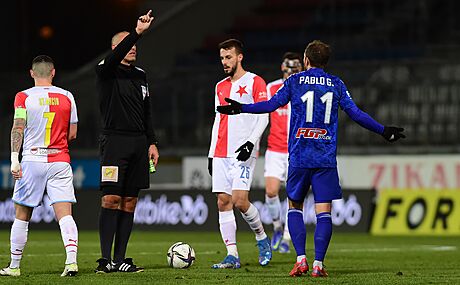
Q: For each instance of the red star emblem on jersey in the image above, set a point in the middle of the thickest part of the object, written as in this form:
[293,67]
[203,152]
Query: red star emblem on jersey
[242,91]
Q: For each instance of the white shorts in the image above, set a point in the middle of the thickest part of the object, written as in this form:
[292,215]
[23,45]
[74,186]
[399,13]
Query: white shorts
[54,177]
[276,165]
[230,174]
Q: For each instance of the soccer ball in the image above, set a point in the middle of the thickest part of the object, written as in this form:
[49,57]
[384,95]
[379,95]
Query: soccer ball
[180,255]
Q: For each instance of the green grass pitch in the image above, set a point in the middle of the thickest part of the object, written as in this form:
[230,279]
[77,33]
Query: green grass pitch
[352,259]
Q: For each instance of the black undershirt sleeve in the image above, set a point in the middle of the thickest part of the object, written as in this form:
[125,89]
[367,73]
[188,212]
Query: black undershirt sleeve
[113,59]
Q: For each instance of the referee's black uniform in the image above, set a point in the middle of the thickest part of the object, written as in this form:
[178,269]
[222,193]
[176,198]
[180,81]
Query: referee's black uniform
[127,135]
[127,128]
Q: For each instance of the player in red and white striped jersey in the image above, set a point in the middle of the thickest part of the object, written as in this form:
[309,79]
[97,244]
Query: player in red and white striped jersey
[276,156]
[50,112]
[233,151]
[46,119]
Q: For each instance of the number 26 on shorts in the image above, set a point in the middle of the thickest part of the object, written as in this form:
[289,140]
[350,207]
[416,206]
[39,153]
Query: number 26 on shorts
[245,172]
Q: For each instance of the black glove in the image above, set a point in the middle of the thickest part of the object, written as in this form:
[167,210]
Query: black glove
[393,134]
[233,109]
[245,151]
[210,165]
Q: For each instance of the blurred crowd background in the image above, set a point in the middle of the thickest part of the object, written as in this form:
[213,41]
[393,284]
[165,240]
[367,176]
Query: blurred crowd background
[398,59]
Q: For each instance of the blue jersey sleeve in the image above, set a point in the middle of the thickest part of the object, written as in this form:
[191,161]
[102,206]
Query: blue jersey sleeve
[356,114]
[345,100]
[281,98]
[364,120]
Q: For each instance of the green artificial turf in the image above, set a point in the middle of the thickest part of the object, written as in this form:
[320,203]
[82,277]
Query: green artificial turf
[351,259]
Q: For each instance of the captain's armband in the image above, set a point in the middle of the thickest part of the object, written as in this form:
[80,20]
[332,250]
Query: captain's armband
[20,113]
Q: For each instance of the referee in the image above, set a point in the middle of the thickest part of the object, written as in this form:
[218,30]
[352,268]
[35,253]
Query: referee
[126,145]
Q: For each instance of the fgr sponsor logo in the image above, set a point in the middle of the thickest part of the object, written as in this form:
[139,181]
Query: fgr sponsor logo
[164,212]
[312,133]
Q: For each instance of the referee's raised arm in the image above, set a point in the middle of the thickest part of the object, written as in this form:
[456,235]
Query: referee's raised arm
[128,149]
[122,43]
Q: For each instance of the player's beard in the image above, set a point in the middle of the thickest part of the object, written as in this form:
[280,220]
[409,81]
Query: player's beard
[231,72]
[288,71]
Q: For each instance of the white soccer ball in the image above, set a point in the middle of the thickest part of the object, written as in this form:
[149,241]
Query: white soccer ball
[180,255]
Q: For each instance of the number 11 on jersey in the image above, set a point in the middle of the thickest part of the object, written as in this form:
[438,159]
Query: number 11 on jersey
[309,97]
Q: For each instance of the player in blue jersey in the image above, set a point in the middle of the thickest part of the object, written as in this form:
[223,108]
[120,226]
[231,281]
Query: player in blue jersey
[315,98]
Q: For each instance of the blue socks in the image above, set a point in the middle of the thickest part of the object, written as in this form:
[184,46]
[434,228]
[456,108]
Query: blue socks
[323,234]
[297,230]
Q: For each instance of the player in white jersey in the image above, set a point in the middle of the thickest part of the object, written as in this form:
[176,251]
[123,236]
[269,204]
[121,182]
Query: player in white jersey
[232,154]
[45,118]
[276,156]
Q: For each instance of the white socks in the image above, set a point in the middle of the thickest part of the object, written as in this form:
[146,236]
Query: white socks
[300,257]
[18,239]
[227,225]
[274,208]
[253,219]
[286,235]
[69,233]
[318,263]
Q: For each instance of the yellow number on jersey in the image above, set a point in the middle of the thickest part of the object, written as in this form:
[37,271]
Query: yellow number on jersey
[49,116]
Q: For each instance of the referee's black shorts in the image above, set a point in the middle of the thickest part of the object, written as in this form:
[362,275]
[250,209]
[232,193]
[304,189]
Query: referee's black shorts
[124,164]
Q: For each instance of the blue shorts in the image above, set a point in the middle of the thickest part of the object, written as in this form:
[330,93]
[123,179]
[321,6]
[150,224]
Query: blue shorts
[323,181]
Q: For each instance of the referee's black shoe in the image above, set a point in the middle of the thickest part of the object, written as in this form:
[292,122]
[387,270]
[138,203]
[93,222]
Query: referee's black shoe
[105,266]
[127,265]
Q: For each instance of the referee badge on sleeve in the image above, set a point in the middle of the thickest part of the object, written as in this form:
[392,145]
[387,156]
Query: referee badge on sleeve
[109,174]
[145,92]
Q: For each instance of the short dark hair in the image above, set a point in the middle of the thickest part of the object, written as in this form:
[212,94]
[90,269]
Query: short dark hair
[318,53]
[292,56]
[42,66]
[232,43]
[43,58]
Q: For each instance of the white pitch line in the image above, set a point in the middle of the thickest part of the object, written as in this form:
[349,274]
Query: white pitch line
[97,254]
[133,243]
[398,249]
[380,249]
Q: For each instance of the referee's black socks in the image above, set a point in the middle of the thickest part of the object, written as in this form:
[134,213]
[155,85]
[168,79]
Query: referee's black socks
[124,228]
[108,220]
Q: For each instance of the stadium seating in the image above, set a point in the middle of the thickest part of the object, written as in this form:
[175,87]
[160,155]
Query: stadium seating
[380,52]
[398,58]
